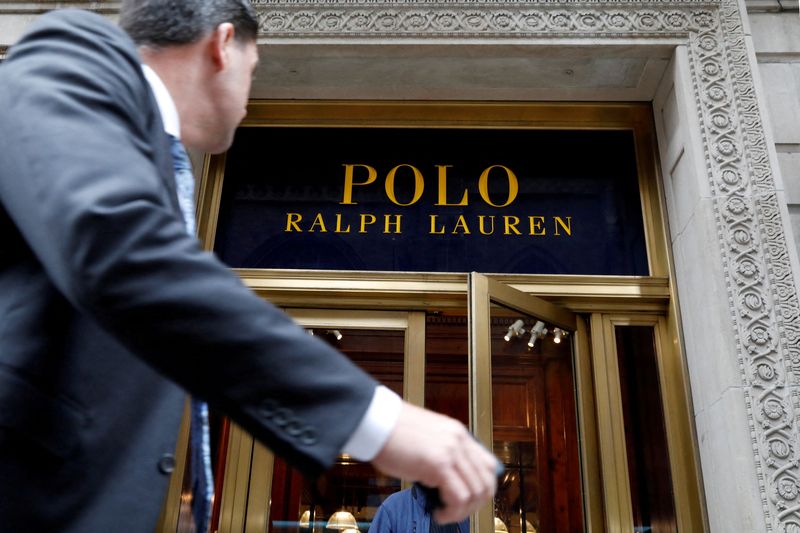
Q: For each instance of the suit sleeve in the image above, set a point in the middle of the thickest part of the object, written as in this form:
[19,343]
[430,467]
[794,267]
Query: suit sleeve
[78,178]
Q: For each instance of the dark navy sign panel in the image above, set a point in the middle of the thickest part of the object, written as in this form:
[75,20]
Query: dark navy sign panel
[433,200]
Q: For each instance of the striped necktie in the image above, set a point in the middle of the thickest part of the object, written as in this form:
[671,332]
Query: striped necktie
[202,478]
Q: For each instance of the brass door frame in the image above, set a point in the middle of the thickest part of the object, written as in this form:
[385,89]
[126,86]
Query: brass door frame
[598,297]
[604,466]
[689,510]
[404,290]
[483,292]
[245,497]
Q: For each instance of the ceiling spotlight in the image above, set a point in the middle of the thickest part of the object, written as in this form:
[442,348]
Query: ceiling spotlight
[310,332]
[558,333]
[532,341]
[336,333]
[537,331]
[515,330]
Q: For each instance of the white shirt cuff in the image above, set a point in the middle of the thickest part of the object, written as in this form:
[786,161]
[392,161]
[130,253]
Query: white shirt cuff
[376,425]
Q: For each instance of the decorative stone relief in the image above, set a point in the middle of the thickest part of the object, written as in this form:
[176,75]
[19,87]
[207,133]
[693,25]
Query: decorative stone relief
[764,305]
[513,19]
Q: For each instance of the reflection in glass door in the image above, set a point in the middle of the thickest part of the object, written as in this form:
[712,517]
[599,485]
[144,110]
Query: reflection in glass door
[523,402]
[534,424]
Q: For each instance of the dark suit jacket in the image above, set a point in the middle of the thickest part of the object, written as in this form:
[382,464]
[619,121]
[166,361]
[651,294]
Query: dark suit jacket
[108,310]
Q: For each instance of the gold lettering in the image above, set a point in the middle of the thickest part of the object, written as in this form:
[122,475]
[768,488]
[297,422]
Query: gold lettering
[347,196]
[536,225]
[461,223]
[510,222]
[318,222]
[480,224]
[443,188]
[387,222]
[567,227]
[339,225]
[513,186]
[291,222]
[419,185]
[434,230]
[364,217]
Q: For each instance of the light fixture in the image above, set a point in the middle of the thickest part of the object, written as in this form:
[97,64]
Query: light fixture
[499,526]
[305,519]
[336,333]
[310,332]
[515,330]
[558,333]
[342,520]
[537,331]
[350,530]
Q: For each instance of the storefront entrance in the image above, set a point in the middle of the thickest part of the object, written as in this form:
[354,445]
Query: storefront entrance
[580,389]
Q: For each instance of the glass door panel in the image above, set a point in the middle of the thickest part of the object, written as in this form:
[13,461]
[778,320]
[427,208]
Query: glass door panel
[351,491]
[265,494]
[446,365]
[523,402]
[649,475]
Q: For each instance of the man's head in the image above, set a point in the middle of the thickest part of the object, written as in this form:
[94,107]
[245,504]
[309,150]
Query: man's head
[157,23]
[205,52]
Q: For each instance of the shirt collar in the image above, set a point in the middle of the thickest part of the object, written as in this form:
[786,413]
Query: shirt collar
[166,105]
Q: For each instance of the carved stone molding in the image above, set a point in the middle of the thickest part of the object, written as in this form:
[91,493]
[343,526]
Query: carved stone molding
[478,19]
[10,7]
[764,305]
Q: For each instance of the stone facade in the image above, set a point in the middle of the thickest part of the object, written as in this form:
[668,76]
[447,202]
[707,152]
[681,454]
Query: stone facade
[727,110]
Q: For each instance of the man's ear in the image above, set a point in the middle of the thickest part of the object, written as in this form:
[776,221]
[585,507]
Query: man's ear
[221,39]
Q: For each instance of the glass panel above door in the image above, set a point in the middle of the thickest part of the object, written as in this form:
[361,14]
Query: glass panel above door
[525,201]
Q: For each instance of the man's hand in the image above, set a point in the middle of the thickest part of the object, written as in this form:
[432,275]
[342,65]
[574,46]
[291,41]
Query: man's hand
[439,452]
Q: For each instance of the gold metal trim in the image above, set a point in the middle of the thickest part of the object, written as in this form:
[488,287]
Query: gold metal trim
[414,367]
[427,290]
[168,521]
[593,503]
[258,497]
[209,197]
[651,197]
[397,114]
[336,318]
[480,381]
[684,452]
[233,506]
[673,383]
[675,397]
[611,428]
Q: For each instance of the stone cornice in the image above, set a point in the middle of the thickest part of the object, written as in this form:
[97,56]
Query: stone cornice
[42,6]
[427,19]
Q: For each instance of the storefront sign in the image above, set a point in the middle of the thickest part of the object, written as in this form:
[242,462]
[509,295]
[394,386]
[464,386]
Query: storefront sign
[438,200]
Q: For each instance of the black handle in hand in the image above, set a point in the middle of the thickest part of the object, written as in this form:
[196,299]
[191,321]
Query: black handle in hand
[433,499]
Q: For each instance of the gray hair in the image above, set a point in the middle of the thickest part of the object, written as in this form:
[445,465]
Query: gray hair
[172,22]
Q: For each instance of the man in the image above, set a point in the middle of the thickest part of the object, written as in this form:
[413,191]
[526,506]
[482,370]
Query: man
[409,511]
[109,309]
